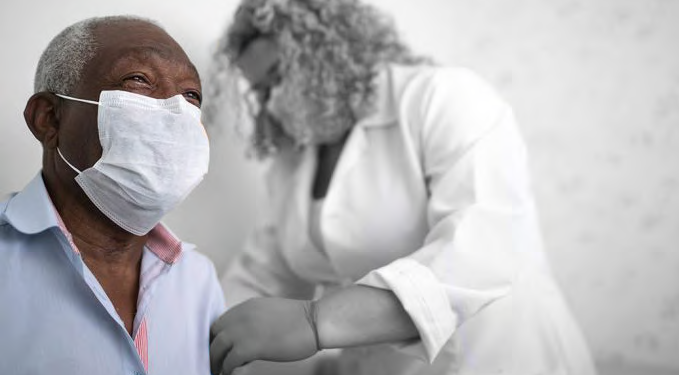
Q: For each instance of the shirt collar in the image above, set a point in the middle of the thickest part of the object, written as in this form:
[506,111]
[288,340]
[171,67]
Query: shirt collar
[31,211]
[164,244]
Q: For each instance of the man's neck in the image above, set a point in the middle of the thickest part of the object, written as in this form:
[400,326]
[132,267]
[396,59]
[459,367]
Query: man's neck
[94,233]
[112,254]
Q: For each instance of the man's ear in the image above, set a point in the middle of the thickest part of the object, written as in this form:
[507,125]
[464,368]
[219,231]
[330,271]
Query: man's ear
[42,118]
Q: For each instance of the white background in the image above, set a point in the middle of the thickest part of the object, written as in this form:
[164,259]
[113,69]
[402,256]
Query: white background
[595,85]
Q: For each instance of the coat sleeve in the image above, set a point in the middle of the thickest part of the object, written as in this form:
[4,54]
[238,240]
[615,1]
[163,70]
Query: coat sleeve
[260,269]
[479,209]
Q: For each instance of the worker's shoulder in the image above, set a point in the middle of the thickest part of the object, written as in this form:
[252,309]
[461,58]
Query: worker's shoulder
[456,85]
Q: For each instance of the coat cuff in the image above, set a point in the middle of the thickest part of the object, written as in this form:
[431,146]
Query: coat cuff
[424,298]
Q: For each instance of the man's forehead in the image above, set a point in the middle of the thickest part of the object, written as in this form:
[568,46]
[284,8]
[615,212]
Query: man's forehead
[135,37]
[150,52]
[140,47]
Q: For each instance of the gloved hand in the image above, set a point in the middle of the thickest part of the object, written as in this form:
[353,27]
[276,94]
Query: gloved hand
[270,329]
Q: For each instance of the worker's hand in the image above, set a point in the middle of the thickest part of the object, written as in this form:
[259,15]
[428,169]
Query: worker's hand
[270,329]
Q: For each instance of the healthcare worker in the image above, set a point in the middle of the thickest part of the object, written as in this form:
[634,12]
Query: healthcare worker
[401,223]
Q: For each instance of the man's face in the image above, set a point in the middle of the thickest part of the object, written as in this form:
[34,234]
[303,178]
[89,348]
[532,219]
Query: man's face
[132,56]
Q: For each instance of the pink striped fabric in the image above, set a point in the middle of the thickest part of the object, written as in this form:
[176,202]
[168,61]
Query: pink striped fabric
[65,231]
[161,241]
[142,344]
[164,244]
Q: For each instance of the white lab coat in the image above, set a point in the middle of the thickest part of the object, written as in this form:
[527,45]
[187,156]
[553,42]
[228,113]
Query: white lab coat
[431,199]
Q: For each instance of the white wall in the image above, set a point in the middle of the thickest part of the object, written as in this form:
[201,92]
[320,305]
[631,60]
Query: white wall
[595,85]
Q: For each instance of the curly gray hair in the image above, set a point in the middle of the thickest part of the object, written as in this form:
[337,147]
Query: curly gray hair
[331,51]
[62,63]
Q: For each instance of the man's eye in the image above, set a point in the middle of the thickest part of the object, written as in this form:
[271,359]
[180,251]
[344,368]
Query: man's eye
[193,96]
[137,79]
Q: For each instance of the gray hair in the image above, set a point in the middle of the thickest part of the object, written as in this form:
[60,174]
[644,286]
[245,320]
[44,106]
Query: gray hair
[61,64]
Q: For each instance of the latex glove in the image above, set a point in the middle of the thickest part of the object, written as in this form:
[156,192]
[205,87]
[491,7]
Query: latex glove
[270,329]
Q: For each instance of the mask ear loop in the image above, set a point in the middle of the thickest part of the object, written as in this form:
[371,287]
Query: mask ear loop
[66,161]
[77,99]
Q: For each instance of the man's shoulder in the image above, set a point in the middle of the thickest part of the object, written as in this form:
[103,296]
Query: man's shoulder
[194,278]
[195,264]
[194,257]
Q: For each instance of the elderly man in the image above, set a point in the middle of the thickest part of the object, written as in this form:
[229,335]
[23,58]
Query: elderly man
[90,281]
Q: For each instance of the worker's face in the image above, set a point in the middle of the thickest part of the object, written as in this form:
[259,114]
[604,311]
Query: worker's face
[274,96]
[132,56]
[259,64]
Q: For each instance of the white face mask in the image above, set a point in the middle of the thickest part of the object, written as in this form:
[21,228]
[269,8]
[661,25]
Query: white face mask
[154,152]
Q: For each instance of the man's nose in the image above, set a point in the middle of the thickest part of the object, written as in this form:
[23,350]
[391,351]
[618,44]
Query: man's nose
[166,88]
